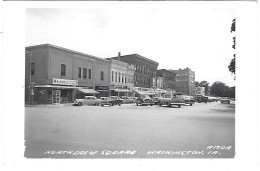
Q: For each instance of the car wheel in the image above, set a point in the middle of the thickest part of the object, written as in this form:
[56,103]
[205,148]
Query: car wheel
[151,104]
[102,105]
[179,106]
[119,104]
[190,104]
[79,104]
[160,104]
[136,104]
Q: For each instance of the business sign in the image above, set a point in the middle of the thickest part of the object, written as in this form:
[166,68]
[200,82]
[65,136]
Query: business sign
[104,88]
[65,82]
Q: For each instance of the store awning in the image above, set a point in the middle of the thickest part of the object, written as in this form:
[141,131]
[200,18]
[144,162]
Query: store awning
[146,93]
[121,90]
[88,91]
[55,86]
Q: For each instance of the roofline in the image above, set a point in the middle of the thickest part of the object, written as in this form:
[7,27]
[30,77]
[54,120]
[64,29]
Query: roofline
[157,63]
[72,51]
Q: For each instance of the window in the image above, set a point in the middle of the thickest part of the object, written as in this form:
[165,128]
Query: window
[125,78]
[122,77]
[89,74]
[32,68]
[63,70]
[116,77]
[112,75]
[79,72]
[119,75]
[84,73]
[102,76]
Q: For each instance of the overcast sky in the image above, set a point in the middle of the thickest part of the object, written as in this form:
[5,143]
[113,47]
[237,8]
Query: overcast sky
[198,38]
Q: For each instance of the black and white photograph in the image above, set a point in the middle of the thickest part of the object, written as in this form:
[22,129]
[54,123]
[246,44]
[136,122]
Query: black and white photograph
[130,80]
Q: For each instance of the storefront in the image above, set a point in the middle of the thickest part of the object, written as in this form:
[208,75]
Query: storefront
[120,91]
[103,91]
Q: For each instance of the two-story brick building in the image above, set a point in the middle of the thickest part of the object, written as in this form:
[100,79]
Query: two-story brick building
[53,72]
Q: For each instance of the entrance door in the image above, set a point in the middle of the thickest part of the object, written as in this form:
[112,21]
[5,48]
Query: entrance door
[55,96]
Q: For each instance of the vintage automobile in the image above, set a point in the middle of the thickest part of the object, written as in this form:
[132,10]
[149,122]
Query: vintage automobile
[176,99]
[126,99]
[116,100]
[225,100]
[201,98]
[155,100]
[188,100]
[133,99]
[106,101]
[144,100]
[88,100]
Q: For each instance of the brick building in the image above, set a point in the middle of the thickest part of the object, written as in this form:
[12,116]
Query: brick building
[185,81]
[169,79]
[52,71]
[145,69]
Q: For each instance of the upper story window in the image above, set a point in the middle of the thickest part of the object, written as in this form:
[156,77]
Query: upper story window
[32,68]
[116,77]
[112,75]
[102,75]
[84,73]
[119,75]
[122,77]
[89,73]
[63,69]
[79,72]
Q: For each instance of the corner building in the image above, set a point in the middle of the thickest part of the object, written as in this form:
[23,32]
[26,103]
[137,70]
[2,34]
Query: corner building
[51,69]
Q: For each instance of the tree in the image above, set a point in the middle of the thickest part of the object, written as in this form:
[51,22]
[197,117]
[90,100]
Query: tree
[232,65]
[220,89]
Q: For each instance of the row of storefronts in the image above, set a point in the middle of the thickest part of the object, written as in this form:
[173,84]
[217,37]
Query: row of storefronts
[58,75]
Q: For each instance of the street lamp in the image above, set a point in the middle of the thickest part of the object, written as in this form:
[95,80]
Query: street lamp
[31,85]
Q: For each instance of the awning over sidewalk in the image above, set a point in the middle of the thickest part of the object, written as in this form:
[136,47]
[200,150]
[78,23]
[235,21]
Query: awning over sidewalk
[55,86]
[88,91]
[121,90]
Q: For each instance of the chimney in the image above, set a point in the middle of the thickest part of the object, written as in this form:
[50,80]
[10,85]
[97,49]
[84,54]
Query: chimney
[119,56]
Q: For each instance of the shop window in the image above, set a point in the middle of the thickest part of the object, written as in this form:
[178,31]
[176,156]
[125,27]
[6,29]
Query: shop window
[79,72]
[102,76]
[63,70]
[89,73]
[32,68]
[84,73]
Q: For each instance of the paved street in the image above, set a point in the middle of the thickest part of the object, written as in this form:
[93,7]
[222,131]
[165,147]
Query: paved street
[130,131]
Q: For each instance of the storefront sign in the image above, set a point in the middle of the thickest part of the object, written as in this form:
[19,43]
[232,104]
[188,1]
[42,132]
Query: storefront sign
[64,82]
[101,88]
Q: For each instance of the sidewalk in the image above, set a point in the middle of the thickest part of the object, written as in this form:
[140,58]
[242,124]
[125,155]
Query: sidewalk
[49,105]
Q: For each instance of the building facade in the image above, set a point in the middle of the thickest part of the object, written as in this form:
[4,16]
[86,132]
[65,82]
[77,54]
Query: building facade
[169,79]
[53,73]
[185,81]
[145,69]
[122,78]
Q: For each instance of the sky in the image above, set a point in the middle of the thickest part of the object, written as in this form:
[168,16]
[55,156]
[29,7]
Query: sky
[198,38]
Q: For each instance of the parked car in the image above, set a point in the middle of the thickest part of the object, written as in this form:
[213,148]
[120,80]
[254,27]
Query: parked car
[210,99]
[155,100]
[106,101]
[188,100]
[175,99]
[88,100]
[225,100]
[133,99]
[116,100]
[126,100]
[144,100]
[201,98]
